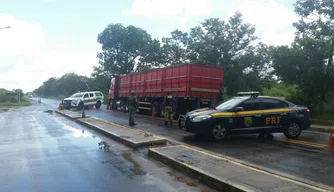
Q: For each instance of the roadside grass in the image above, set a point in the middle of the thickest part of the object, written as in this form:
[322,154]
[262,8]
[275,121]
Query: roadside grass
[24,102]
[322,119]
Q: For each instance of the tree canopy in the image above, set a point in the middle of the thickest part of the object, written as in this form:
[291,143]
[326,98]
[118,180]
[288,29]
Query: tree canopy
[308,61]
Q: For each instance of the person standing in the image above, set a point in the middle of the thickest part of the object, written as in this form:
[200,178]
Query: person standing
[133,105]
[168,102]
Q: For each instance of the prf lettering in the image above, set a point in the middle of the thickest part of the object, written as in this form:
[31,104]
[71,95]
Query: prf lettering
[273,120]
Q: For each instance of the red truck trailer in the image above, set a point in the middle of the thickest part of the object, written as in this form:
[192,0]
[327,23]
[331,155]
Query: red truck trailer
[193,86]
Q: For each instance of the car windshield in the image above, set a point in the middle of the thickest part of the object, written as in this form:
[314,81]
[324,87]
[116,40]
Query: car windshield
[229,104]
[77,95]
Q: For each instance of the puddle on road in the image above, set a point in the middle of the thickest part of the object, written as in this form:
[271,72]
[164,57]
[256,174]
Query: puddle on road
[49,111]
[71,140]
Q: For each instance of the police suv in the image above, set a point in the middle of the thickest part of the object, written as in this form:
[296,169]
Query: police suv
[249,113]
[84,100]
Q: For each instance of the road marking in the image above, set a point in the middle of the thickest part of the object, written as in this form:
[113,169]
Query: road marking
[306,143]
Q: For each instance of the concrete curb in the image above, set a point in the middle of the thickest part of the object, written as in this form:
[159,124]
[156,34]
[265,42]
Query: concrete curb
[218,183]
[123,140]
[68,116]
[116,137]
[203,177]
[264,169]
[322,130]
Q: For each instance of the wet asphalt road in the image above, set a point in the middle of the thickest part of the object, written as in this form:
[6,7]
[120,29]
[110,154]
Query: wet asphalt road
[306,162]
[40,151]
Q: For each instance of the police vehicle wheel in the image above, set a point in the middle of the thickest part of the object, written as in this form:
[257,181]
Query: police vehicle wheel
[219,131]
[293,131]
[98,105]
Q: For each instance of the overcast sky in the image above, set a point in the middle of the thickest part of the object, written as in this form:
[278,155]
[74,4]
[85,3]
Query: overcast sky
[49,38]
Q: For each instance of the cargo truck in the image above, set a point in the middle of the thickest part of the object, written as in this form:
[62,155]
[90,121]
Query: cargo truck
[192,85]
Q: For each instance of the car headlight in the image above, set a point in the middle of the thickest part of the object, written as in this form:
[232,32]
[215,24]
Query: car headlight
[201,118]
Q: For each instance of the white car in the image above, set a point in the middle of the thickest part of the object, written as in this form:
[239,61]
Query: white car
[84,100]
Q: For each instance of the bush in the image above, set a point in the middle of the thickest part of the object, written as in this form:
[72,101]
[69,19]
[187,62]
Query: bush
[24,102]
[281,90]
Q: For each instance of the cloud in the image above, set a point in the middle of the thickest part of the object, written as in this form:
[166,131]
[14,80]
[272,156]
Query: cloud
[181,10]
[27,57]
[272,20]
[22,38]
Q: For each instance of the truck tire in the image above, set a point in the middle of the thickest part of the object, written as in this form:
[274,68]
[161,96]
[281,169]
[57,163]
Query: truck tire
[123,106]
[98,105]
[80,106]
[113,105]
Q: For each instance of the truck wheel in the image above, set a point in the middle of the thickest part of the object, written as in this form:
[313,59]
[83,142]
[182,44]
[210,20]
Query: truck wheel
[80,106]
[98,105]
[219,131]
[122,106]
[292,131]
[113,105]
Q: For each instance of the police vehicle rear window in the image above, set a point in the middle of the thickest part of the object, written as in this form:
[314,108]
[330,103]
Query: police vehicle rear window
[268,103]
[251,105]
[98,94]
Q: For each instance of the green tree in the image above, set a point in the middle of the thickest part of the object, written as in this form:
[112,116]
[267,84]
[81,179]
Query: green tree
[19,90]
[308,62]
[100,82]
[219,42]
[151,57]
[46,88]
[175,48]
[317,22]
[66,85]
[122,48]
[303,64]
[71,83]
[230,45]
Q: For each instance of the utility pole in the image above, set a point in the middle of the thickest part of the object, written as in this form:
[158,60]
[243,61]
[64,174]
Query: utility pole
[19,94]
